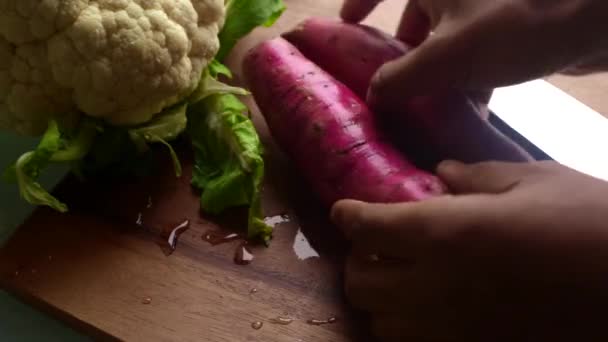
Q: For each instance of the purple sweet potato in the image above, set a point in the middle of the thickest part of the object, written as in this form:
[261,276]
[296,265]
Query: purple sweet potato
[430,128]
[349,52]
[328,132]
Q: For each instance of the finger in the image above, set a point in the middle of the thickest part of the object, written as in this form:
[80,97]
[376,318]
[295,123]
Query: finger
[393,286]
[438,64]
[396,328]
[400,328]
[408,230]
[408,327]
[482,99]
[481,96]
[374,285]
[355,11]
[415,24]
[484,177]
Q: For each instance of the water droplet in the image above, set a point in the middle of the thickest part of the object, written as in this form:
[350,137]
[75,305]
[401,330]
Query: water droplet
[218,237]
[374,257]
[281,320]
[253,290]
[146,300]
[149,204]
[168,238]
[257,325]
[243,255]
[140,219]
[330,320]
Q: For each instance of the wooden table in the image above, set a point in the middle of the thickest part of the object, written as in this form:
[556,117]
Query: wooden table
[589,89]
[103,273]
[99,270]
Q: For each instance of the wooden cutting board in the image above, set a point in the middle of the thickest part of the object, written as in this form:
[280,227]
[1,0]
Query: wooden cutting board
[101,267]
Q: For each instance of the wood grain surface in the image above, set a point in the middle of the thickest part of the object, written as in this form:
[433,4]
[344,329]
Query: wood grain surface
[99,270]
[589,89]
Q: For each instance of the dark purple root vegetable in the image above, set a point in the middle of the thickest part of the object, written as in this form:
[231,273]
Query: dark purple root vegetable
[430,128]
[328,132]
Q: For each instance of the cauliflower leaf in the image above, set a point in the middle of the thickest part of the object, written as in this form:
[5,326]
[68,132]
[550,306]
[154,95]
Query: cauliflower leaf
[229,167]
[54,147]
[209,85]
[229,163]
[242,16]
[164,127]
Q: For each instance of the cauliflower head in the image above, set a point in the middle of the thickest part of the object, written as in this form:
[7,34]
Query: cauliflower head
[119,60]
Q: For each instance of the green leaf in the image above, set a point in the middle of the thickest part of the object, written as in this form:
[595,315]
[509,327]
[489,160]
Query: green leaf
[229,167]
[77,147]
[242,16]
[210,86]
[177,165]
[166,126]
[115,155]
[54,146]
[30,189]
[216,68]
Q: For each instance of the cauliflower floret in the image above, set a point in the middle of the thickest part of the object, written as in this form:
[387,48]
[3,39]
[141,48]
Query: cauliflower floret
[27,101]
[120,60]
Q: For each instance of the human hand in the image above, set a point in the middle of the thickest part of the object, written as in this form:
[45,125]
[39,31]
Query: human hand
[519,253]
[478,45]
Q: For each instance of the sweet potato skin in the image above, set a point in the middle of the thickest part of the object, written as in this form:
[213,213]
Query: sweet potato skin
[450,125]
[349,52]
[328,132]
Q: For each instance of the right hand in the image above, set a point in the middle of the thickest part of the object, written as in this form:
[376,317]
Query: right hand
[518,252]
[478,45]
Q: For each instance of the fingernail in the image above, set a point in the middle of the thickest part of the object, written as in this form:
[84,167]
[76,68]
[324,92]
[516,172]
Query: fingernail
[449,167]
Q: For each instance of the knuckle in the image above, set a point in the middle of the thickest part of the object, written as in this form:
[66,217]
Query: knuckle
[485,169]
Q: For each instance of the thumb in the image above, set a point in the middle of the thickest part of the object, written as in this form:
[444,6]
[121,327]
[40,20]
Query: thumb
[486,177]
[439,63]
[412,228]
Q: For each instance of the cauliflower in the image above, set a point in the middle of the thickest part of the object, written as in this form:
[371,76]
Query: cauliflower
[122,61]
[102,80]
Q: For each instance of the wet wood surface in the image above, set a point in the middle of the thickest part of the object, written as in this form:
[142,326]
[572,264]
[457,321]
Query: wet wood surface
[101,268]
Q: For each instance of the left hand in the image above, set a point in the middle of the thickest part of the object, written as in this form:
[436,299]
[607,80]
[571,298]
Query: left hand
[520,253]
